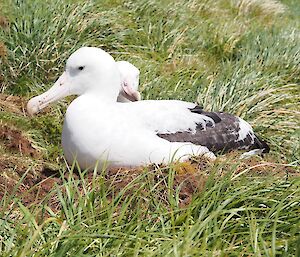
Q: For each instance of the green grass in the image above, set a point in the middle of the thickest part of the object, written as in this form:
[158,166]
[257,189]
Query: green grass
[229,217]
[242,57]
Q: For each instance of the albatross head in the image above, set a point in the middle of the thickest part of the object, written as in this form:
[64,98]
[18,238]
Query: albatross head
[129,82]
[89,70]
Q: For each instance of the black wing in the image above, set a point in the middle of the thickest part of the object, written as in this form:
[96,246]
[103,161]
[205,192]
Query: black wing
[223,137]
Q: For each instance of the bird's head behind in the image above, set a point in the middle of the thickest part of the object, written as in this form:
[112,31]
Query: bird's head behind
[129,82]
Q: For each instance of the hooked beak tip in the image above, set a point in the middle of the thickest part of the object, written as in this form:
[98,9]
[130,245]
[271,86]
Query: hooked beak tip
[32,107]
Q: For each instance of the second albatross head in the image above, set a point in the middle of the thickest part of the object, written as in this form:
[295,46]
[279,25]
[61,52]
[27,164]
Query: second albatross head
[90,70]
[129,82]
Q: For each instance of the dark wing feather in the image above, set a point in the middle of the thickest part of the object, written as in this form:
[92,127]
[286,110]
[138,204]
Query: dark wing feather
[222,137]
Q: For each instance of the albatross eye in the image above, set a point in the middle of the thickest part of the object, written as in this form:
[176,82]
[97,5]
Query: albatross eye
[80,67]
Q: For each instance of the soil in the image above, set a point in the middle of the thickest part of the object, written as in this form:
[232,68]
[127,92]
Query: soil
[23,179]
[15,141]
[13,104]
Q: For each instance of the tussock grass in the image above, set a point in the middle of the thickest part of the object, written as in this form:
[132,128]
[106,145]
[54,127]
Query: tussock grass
[230,216]
[238,56]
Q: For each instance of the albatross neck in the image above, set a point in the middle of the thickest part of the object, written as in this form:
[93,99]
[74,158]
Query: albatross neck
[105,89]
[101,98]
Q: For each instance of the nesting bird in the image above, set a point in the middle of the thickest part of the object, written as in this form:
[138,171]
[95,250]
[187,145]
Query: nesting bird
[99,130]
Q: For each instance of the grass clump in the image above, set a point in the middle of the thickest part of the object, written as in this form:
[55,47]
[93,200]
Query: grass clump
[227,216]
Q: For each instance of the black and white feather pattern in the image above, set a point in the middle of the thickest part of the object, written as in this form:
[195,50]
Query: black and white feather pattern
[228,133]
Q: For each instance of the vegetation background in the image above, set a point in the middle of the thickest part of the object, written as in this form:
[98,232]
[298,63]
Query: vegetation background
[238,56]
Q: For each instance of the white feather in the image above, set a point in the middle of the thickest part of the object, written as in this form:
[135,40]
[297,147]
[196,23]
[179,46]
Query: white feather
[245,129]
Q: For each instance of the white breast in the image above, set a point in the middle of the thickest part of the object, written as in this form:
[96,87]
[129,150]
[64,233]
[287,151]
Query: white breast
[117,135]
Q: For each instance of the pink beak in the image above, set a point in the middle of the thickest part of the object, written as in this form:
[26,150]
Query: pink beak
[60,89]
[130,93]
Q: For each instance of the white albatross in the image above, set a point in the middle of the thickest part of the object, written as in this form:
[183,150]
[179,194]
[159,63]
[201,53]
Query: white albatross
[98,129]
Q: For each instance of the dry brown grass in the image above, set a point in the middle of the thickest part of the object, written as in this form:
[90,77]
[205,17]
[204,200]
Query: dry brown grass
[3,51]
[265,7]
[3,22]
[13,104]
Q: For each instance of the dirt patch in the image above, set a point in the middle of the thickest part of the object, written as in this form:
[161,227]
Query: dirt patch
[36,189]
[26,179]
[13,104]
[15,141]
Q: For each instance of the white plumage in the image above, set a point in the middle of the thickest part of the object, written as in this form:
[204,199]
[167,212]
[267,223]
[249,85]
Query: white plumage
[99,129]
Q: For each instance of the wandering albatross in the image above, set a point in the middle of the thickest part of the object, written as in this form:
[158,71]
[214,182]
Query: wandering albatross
[98,129]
